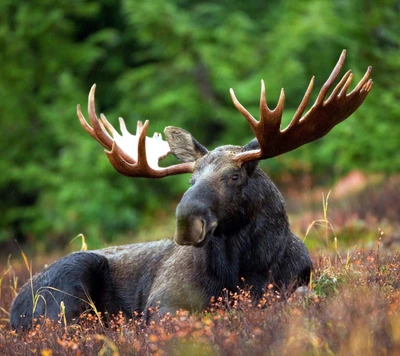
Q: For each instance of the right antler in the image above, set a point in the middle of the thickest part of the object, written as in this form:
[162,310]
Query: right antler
[128,153]
[316,123]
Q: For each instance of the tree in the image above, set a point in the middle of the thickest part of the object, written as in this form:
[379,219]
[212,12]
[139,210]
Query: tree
[172,62]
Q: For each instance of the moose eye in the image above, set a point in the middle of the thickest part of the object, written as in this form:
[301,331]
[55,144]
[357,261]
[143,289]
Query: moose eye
[235,176]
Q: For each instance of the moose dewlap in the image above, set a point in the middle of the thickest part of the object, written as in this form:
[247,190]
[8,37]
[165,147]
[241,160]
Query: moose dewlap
[231,224]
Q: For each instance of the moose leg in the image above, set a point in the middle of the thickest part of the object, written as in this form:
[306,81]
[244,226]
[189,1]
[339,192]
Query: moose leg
[77,280]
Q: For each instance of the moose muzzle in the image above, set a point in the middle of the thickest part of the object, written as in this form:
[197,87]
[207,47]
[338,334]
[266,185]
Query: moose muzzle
[190,231]
[194,220]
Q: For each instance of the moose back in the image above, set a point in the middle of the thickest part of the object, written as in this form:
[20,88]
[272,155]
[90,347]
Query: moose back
[231,224]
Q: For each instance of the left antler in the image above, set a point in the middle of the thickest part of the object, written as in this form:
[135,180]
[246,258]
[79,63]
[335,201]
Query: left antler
[316,123]
[131,155]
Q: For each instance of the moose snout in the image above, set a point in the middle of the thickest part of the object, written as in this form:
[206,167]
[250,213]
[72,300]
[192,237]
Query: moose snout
[193,229]
[190,230]
[195,219]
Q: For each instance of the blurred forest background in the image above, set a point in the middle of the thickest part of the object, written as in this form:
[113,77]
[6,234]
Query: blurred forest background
[173,62]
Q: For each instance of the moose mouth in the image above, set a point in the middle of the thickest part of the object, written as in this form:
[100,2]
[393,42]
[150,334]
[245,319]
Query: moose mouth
[193,232]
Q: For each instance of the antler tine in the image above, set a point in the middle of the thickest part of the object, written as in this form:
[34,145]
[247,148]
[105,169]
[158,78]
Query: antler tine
[346,85]
[89,129]
[250,119]
[102,135]
[85,125]
[142,158]
[365,79]
[139,127]
[105,124]
[303,104]
[122,125]
[278,111]
[314,124]
[339,86]
[335,72]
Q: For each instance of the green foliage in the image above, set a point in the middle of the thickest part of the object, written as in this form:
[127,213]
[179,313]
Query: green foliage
[173,62]
[326,285]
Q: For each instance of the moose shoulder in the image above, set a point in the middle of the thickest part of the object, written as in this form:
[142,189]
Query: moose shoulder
[231,224]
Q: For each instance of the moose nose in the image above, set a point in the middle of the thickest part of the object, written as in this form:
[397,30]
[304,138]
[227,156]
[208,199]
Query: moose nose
[190,230]
[194,216]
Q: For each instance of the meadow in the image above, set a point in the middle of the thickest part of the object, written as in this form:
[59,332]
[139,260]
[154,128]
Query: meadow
[352,306]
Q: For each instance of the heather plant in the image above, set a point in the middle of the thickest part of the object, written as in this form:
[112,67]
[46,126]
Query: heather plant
[350,308]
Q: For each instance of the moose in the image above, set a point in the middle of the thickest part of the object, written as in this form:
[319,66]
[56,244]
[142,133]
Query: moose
[232,229]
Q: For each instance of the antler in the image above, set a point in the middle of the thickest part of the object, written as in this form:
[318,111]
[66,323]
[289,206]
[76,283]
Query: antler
[131,155]
[316,123]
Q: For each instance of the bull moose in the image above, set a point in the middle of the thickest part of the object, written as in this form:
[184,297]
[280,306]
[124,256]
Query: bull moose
[231,224]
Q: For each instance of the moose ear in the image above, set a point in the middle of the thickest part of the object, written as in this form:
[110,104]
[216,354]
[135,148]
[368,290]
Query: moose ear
[183,145]
[252,165]
[252,145]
